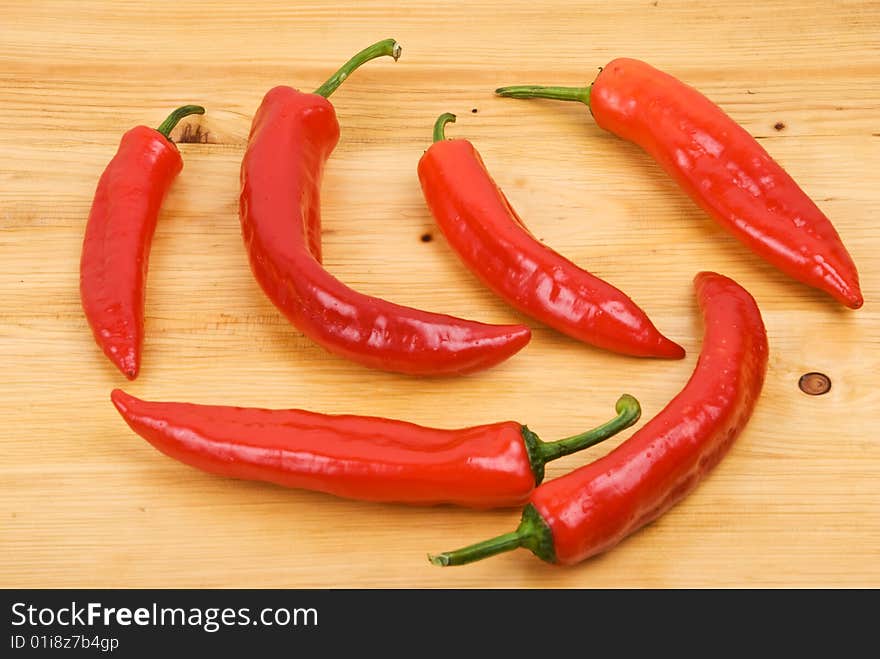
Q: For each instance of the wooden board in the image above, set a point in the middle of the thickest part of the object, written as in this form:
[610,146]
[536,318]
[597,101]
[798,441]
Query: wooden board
[84,502]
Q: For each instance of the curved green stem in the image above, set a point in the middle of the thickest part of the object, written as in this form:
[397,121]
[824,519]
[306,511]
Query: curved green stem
[174,118]
[578,94]
[541,452]
[532,533]
[628,412]
[440,124]
[387,47]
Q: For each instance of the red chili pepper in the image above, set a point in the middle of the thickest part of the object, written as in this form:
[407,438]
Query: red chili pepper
[721,166]
[360,457]
[492,240]
[292,136]
[591,509]
[116,248]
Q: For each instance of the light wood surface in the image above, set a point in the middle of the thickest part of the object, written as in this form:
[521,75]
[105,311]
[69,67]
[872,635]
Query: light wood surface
[85,502]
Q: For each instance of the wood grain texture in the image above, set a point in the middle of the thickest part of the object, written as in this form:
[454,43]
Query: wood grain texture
[84,502]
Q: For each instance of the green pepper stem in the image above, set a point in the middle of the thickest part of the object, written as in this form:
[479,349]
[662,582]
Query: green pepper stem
[174,118]
[578,94]
[628,412]
[540,452]
[440,125]
[387,47]
[532,533]
[479,550]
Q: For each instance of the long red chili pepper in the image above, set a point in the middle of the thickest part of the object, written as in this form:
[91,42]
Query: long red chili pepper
[292,136]
[360,457]
[491,239]
[116,247]
[721,166]
[591,509]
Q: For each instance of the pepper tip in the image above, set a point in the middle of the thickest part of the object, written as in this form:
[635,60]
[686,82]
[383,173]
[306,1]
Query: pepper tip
[117,397]
[126,359]
[855,300]
[668,349]
[675,351]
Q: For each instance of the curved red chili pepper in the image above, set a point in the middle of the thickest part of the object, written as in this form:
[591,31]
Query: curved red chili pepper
[119,231]
[360,457]
[591,509]
[721,166]
[292,136]
[492,240]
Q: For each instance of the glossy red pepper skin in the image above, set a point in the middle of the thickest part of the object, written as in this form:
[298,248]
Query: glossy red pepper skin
[723,169]
[594,507]
[116,247]
[292,136]
[358,457]
[726,172]
[493,242]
